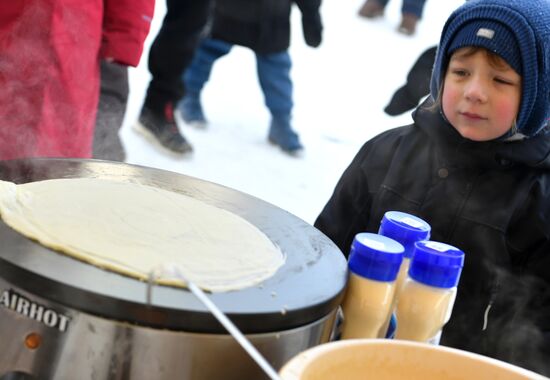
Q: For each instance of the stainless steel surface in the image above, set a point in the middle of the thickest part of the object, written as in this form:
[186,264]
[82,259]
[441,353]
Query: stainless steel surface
[94,348]
[309,285]
[175,272]
[95,324]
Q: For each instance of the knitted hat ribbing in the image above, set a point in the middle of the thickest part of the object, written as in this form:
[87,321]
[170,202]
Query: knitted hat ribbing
[520,33]
[492,36]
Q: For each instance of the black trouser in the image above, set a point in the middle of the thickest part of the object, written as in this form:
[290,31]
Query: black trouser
[110,112]
[173,49]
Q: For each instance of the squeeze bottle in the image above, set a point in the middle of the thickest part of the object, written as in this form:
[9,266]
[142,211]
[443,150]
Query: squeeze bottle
[373,262]
[426,300]
[406,229]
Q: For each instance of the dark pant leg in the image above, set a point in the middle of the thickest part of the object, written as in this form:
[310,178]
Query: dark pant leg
[173,49]
[274,77]
[198,72]
[110,113]
[415,7]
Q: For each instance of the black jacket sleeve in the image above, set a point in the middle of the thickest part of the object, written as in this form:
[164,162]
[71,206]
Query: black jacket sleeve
[343,215]
[312,24]
[349,210]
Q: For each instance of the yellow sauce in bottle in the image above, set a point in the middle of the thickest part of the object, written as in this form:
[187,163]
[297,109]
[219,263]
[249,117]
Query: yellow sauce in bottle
[423,310]
[367,307]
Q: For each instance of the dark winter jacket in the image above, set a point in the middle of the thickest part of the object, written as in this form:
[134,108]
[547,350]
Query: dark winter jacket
[264,25]
[490,199]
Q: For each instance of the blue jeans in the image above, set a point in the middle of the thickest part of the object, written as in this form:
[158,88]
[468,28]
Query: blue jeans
[273,74]
[415,7]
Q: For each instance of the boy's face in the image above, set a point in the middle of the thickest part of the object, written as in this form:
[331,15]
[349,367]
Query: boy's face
[480,98]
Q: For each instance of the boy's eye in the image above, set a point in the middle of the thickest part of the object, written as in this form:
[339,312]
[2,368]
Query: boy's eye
[459,72]
[503,81]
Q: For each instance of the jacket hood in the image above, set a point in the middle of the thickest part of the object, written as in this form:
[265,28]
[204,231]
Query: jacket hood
[518,31]
[532,152]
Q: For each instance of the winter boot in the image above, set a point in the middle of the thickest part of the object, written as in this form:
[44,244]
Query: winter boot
[281,134]
[371,9]
[161,129]
[191,110]
[408,24]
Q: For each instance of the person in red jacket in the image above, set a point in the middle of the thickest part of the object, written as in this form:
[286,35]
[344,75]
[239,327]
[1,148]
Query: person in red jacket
[49,69]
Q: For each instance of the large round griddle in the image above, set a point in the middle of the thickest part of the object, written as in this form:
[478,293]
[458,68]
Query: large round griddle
[306,288]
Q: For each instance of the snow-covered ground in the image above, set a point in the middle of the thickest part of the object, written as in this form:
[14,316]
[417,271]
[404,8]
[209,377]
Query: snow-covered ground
[340,90]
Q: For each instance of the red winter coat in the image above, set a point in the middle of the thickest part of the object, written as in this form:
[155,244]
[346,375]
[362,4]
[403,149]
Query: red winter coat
[49,69]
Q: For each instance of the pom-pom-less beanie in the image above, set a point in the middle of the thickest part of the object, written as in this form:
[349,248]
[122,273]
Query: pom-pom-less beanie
[519,32]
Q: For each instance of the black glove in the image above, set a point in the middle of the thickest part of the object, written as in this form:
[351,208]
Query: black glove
[313,29]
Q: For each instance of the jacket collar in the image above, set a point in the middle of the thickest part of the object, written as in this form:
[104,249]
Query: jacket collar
[458,151]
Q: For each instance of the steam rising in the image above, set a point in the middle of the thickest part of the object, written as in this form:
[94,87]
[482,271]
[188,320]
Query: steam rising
[514,323]
[48,96]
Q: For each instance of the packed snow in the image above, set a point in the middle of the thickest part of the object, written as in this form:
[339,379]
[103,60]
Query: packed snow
[340,90]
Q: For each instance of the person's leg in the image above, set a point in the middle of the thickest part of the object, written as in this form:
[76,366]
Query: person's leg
[173,49]
[373,8]
[195,77]
[411,12]
[415,7]
[170,54]
[110,114]
[274,77]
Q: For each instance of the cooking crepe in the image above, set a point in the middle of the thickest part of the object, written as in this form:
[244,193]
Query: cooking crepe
[133,229]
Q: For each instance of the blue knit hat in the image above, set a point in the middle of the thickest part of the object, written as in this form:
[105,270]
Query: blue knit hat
[492,36]
[519,32]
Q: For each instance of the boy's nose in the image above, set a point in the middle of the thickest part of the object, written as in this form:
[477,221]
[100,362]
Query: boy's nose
[475,90]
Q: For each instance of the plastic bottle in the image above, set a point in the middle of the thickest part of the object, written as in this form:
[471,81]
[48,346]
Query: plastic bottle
[406,229]
[374,262]
[428,294]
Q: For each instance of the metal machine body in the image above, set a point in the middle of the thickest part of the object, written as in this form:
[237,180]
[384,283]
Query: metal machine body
[61,318]
[76,345]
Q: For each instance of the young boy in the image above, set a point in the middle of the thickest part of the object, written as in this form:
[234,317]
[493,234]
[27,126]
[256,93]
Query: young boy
[476,165]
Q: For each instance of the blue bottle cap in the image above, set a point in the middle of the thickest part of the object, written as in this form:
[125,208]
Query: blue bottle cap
[375,257]
[405,228]
[436,264]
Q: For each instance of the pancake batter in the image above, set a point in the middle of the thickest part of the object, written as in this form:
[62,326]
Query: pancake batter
[131,229]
